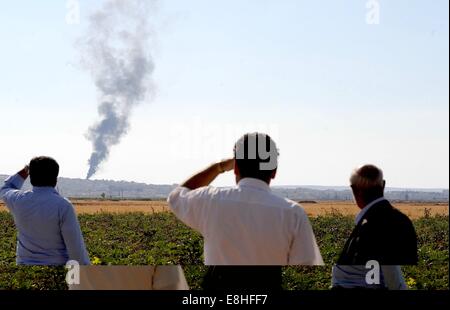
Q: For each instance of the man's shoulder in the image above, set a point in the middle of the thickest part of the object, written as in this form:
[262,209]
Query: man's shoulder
[19,195]
[203,189]
[184,193]
[388,218]
[63,202]
[289,205]
[270,198]
[384,210]
[298,208]
[24,193]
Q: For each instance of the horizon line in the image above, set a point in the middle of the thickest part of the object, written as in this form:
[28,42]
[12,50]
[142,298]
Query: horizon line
[274,186]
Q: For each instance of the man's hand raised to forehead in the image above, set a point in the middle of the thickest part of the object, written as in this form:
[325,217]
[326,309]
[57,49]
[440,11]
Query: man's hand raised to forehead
[25,172]
[226,165]
[207,175]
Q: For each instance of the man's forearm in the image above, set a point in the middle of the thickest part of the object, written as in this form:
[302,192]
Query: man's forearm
[24,173]
[73,238]
[204,177]
[8,191]
[15,183]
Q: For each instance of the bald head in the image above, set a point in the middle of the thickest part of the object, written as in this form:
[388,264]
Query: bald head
[367,183]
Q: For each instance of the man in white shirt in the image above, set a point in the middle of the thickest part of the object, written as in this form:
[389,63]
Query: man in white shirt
[246,224]
[48,232]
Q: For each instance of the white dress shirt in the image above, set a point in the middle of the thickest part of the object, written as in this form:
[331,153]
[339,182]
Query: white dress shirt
[247,225]
[48,228]
[130,278]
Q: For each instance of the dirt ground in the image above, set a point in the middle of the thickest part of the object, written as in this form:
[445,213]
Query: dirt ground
[413,210]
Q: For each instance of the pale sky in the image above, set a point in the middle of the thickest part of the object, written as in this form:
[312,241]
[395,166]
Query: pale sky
[332,90]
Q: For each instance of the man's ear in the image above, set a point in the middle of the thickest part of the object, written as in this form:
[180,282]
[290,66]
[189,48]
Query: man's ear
[236,169]
[274,174]
[384,184]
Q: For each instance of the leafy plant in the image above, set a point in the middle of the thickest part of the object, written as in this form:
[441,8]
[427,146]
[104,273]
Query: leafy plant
[160,239]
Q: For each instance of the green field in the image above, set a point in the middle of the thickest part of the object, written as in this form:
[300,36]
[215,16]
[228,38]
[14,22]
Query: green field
[160,239]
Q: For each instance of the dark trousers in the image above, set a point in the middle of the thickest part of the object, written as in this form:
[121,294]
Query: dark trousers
[242,277]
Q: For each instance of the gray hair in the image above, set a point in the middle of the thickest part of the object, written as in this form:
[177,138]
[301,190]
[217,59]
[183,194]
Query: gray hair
[366,177]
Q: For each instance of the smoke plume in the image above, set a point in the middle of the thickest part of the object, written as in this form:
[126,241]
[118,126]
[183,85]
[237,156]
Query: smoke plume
[115,52]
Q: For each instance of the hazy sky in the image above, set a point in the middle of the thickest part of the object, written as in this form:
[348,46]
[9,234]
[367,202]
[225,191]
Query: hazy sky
[333,90]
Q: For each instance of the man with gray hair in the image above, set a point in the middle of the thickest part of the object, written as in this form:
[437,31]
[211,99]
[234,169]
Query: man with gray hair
[383,236]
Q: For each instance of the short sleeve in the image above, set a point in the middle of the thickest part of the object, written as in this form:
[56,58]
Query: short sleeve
[191,206]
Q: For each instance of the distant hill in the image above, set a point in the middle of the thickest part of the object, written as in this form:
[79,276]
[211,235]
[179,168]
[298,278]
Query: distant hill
[80,188]
[331,193]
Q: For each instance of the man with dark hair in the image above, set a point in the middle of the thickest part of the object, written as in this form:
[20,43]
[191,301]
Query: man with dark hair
[246,224]
[382,235]
[48,228]
[256,156]
[44,172]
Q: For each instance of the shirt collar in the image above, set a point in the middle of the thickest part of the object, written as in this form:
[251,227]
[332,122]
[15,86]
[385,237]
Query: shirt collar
[366,208]
[254,183]
[43,189]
